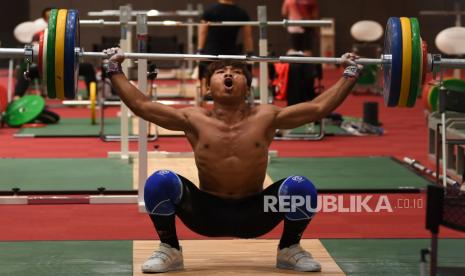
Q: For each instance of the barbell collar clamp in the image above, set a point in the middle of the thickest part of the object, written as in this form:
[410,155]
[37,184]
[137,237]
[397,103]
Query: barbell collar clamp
[29,53]
[29,59]
[435,61]
[435,64]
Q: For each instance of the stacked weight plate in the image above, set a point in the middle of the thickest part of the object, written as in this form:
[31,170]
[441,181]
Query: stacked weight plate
[405,73]
[58,62]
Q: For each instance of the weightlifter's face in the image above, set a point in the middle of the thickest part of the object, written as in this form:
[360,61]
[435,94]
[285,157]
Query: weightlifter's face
[229,82]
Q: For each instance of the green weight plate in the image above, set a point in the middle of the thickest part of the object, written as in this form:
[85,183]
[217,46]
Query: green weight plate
[433,97]
[450,84]
[425,97]
[24,110]
[368,75]
[415,76]
[51,54]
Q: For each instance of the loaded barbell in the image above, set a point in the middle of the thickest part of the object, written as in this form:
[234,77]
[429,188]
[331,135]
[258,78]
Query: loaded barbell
[405,60]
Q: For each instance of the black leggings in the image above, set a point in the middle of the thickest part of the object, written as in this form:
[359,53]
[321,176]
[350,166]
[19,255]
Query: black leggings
[213,216]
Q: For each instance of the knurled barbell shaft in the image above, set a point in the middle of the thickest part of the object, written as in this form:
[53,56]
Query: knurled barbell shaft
[451,63]
[19,52]
[304,23]
[289,59]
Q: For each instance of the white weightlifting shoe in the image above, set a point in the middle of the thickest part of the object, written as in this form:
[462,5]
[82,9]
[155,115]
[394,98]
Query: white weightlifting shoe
[296,258]
[164,259]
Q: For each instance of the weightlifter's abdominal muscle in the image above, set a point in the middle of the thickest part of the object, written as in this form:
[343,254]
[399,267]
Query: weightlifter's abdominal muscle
[232,157]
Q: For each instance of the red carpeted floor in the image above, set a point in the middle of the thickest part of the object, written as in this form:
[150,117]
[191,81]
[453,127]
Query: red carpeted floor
[405,135]
[124,222]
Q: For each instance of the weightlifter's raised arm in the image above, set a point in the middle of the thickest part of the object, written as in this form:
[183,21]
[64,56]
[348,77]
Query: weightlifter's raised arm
[299,114]
[163,115]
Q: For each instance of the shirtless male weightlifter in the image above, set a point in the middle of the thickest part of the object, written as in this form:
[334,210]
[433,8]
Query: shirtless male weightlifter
[230,144]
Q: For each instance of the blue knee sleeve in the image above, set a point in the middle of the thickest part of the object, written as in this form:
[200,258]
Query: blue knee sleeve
[299,191]
[163,190]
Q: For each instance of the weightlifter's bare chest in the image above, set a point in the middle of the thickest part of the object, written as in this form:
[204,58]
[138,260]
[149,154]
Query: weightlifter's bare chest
[231,156]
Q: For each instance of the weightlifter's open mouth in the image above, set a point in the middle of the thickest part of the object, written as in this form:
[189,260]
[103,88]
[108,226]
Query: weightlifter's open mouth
[228,84]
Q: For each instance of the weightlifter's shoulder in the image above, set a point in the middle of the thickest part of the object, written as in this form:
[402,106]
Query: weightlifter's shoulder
[267,109]
[194,111]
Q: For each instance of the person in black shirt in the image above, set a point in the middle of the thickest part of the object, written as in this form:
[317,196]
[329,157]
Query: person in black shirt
[222,40]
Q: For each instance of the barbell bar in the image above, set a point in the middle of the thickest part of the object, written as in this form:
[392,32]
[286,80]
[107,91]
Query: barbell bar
[168,23]
[385,59]
[245,58]
[405,60]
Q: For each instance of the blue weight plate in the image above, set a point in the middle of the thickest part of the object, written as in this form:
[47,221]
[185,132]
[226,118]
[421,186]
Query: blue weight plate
[393,70]
[71,62]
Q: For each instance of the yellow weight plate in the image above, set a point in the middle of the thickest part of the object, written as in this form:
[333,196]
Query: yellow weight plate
[93,101]
[60,53]
[406,61]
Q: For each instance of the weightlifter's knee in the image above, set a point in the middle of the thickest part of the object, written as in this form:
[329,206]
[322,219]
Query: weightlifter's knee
[162,191]
[301,195]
